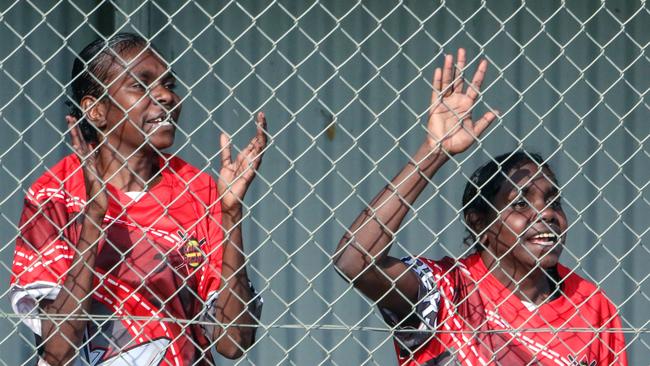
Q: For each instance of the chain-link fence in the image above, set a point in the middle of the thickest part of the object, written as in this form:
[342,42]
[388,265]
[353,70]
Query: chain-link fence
[345,86]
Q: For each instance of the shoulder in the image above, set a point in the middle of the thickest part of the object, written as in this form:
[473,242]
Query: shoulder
[438,266]
[64,181]
[191,178]
[187,173]
[582,291]
[441,272]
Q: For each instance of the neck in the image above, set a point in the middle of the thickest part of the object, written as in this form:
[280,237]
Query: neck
[532,284]
[136,171]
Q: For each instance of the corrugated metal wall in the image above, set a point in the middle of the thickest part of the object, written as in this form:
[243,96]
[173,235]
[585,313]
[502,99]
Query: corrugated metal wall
[344,86]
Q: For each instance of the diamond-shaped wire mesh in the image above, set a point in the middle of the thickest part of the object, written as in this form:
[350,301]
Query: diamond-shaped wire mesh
[345,87]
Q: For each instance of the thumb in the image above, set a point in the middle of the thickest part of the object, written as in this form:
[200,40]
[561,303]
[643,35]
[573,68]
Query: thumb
[482,124]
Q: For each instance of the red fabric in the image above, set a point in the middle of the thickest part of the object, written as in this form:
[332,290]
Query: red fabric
[150,258]
[482,322]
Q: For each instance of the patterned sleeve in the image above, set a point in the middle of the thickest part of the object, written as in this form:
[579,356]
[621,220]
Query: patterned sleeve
[426,309]
[42,257]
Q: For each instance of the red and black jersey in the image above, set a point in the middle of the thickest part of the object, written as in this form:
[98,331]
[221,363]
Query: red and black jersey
[469,318]
[158,265]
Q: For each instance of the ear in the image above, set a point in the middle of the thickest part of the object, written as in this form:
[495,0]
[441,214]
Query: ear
[95,111]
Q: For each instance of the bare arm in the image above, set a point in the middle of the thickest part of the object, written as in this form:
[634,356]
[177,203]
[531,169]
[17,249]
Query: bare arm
[235,295]
[362,254]
[62,337]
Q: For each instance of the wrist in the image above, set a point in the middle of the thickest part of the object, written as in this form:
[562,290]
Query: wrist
[232,215]
[428,156]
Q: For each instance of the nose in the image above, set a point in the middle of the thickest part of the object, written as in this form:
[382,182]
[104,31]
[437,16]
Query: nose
[163,96]
[546,212]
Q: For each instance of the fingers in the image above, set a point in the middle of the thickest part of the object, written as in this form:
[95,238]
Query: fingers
[79,144]
[474,88]
[256,147]
[437,85]
[482,124]
[224,140]
[75,134]
[458,76]
[260,137]
[71,120]
[253,152]
[447,73]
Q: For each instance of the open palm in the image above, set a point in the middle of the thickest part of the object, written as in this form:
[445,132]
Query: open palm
[450,123]
[236,175]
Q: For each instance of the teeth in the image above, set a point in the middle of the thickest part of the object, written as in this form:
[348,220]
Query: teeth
[160,123]
[545,238]
[545,235]
[160,120]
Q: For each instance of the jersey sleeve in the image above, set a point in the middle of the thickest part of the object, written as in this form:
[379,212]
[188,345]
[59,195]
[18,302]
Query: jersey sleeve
[426,311]
[42,256]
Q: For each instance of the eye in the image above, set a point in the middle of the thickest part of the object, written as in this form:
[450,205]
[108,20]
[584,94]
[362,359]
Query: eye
[139,85]
[170,85]
[519,203]
[555,202]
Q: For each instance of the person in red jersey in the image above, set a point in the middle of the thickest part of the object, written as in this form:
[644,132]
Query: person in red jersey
[123,250]
[510,302]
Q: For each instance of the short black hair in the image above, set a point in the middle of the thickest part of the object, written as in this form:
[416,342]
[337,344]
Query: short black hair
[90,71]
[485,182]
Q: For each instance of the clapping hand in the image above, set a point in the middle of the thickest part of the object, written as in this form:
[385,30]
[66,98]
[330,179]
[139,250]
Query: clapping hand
[236,176]
[96,195]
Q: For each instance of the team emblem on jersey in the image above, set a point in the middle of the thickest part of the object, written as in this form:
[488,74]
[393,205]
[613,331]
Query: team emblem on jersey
[190,250]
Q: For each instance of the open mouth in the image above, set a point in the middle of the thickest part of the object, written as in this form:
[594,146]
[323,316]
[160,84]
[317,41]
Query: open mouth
[544,239]
[161,121]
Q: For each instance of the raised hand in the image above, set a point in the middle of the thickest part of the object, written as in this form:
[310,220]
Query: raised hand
[236,176]
[450,125]
[96,196]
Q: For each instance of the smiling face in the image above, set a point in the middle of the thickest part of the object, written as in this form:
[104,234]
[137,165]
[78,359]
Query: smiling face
[141,109]
[530,227]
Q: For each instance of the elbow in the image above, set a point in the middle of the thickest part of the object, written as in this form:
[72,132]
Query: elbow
[58,348]
[231,353]
[347,263]
[58,356]
[344,268]
[234,347]
[235,342]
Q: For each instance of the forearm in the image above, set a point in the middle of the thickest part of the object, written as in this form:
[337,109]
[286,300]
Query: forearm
[235,293]
[62,335]
[368,238]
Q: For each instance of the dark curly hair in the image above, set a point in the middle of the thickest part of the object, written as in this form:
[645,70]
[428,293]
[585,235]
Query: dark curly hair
[91,70]
[485,182]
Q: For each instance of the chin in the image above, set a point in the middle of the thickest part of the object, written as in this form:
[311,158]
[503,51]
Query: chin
[161,142]
[549,259]
[549,262]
